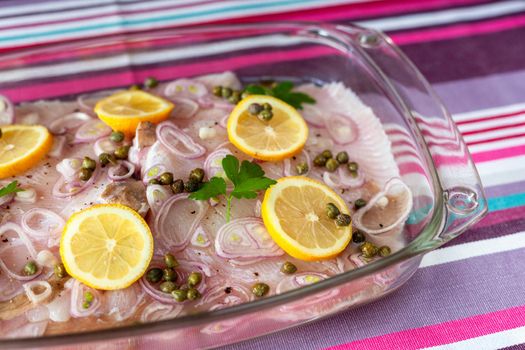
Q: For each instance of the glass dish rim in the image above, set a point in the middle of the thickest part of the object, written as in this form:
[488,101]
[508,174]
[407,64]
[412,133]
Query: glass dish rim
[413,249]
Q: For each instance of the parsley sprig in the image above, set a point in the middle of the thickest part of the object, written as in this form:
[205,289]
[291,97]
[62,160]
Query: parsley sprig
[12,187]
[282,91]
[247,180]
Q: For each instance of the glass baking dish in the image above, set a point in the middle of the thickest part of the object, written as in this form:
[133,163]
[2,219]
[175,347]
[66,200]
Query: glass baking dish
[432,156]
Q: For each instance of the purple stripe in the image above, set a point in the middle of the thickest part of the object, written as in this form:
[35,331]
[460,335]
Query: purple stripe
[434,295]
[515,347]
[487,232]
[504,190]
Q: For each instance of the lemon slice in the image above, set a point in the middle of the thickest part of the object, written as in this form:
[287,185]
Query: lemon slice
[281,137]
[294,213]
[124,110]
[22,147]
[107,246]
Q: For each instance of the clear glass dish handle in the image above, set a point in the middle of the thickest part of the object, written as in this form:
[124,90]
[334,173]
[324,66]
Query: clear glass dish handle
[464,201]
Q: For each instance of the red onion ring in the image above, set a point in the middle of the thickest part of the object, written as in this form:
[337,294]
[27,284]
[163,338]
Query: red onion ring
[69,121]
[200,238]
[59,192]
[185,88]
[69,167]
[288,163]
[216,298]
[170,136]
[158,311]
[342,129]
[343,179]
[40,297]
[7,111]
[299,280]
[213,163]
[52,229]
[24,240]
[153,172]
[104,145]
[156,196]
[245,239]
[257,209]
[112,172]
[77,300]
[185,108]
[121,304]
[58,147]
[91,131]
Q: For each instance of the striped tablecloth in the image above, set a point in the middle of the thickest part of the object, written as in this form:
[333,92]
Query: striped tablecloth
[467,295]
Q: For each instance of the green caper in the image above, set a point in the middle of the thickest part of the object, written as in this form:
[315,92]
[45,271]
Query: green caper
[179,295]
[368,250]
[60,271]
[265,115]
[260,289]
[193,294]
[30,268]
[301,168]
[167,287]
[191,186]
[169,275]
[331,165]
[122,152]
[342,157]
[288,268]
[134,87]
[154,275]
[197,175]
[320,160]
[89,164]
[86,305]
[255,109]
[332,210]
[359,203]
[226,92]
[177,186]
[245,94]
[343,220]
[194,279]
[353,174]
[106,158]
[88,296]
[85,174]
[217,91]
[358,237]
[151,82]
[235,97]
[166,178]
[353,167]
[384,251]
[117,136]
[266,106]
[170,260]
[154,182]
[327,154]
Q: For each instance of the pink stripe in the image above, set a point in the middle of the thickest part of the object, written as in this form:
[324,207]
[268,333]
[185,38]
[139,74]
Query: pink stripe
[500,127]
[46,90]
[484,118]
[444,333]
[507,137]
[487,156]
[408,168]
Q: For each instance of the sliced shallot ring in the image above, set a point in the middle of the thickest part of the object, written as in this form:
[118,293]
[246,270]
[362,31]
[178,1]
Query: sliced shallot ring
[210,168]
[216,298]
[170,135]
[185,88]
[112,172]
[299,280]
[288,164]
[200,238]
[73,120]
[343,179]
[91,131]
[157,311]
[7,111]
[59,193]
[342,129]
[153,172]
[78,294]
[69,167]
[58,147]
[29,288]
[156,196]
[42,233]
[104,145]
[377,200]
[191,108]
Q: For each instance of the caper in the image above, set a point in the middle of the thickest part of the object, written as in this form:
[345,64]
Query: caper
[169,275]
[194,279]
[343,220]
[191,186]
[226,92]
[85,174]
[177,186]
[196,175]
[193,294]
[342,157]
[260,289]
[179,295]
[255,109]
[358,237]
[332,211]
[384,251]
[151,82]
[353,166]
[217,91]
[106,158]
[154,275]
[154,182]
[60,270]
[320,160]
[301,168]
[265,115]
[89,164]
[117,136]
[327,154]
[359,203]
[368,250]
[245,94]
[122,152]
[170,260]
[235,97]
[331,165]
[167,287]
[353,174]
[88,296]
[86,305]
[30,268]
[134,87]
[288,268]
[166,178]
[266,106]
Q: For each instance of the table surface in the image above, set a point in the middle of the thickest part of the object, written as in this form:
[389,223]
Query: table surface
[468,294]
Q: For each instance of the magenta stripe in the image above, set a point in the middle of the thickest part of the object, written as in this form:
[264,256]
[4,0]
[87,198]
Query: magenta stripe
[501,216]
[494,154]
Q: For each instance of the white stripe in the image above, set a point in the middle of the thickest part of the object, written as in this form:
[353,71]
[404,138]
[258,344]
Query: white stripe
[496,145]
[50,6]
[487,135]
[474,249]
[485,124]
[460,117]
[502,171]
[488,342]
[446,16]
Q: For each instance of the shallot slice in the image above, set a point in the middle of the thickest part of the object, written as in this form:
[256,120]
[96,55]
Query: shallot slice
[341,128]
[343,179]
[213,163]
[35,293]
[153,172]
[7,111]
[104,145]
[157,311]
[299,280]
[178,142]
[78,300]
[185,108]
[185,88]
[224,294]
[72,189]
[91,131]
[42,223]
[294,161]
[122,171]
[200,238]
[21,241]
[156,196]
[69,121]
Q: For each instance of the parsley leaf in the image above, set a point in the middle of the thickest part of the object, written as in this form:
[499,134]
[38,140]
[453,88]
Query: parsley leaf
[247,179]
[12,187]
[282,91]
